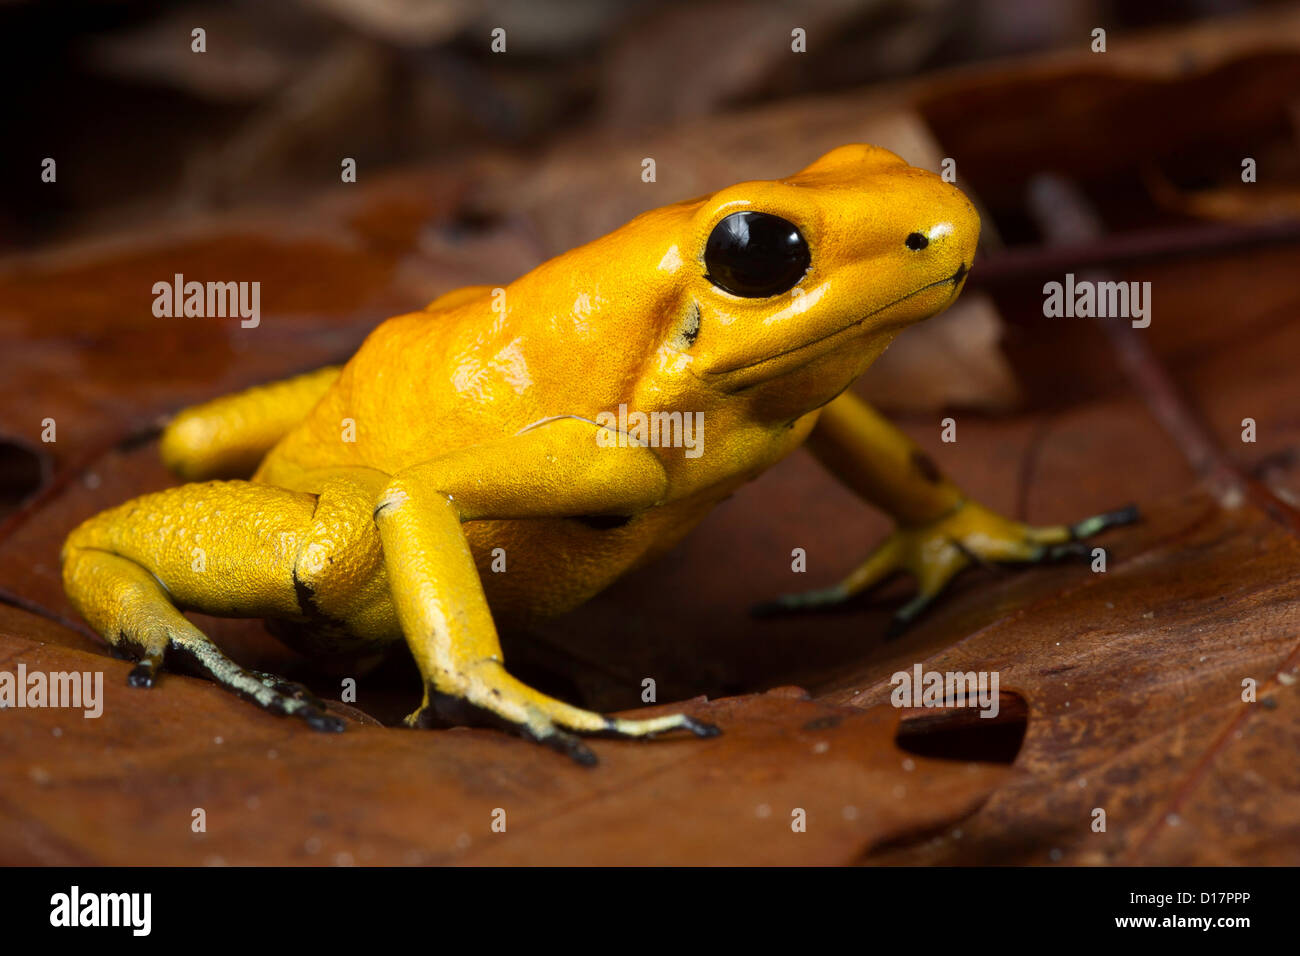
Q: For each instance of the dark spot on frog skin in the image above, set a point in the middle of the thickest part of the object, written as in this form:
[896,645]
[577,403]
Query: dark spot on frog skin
[928,469]
[317,629]
[690,329]
[306,597]
[125,648]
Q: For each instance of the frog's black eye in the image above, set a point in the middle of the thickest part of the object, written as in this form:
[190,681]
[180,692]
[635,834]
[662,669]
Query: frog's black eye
[755,255]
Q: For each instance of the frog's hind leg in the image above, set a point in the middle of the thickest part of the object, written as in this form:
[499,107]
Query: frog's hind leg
[224,548]
[228,436]
[142,622]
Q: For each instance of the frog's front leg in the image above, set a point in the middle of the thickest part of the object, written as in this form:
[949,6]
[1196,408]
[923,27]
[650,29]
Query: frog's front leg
[939,531]
[555,469]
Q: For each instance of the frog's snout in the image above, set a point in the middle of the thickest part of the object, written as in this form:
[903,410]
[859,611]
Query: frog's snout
[938,235]
[948,241]
[916,241]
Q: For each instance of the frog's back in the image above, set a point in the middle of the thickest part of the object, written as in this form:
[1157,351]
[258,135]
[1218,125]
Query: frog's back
[467,370]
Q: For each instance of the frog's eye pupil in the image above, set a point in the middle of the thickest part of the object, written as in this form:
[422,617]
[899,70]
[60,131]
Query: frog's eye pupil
[755,255]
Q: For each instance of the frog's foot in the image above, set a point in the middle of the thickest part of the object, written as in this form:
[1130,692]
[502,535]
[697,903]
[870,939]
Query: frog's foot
[272,693]
[268,691]
[290,689]
[489,695]
[934,553]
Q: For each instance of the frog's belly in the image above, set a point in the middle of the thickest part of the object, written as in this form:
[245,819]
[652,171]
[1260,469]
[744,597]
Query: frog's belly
[556,564]
[530,569]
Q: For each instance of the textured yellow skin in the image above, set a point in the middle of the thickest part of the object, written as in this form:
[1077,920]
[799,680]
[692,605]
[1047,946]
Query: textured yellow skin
[474,430]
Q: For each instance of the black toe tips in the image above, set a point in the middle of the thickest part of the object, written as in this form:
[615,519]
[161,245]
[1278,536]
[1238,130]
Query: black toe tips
[326,723]
[142,675]
[570,746]
[702,728]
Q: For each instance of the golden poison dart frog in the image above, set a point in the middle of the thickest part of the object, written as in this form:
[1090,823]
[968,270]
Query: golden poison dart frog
[361,506]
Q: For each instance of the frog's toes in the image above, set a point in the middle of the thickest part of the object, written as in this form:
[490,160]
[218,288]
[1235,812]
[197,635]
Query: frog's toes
[935,553]
[881,565]
[273,694]
[1062,543]
[449,710]
[146,646]
[1050,553]
[325,723]
[908,613]
[313,716]
[801,601]
[644,729]
[1111,519]
[289,688]
[499,700]
[146,670]
[294,700]
[654,726]
[568,744]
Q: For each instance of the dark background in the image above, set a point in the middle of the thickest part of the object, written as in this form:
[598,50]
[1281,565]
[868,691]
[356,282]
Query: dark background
[143,127]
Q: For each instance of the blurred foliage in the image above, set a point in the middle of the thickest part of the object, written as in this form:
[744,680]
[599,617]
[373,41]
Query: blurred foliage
[141,125]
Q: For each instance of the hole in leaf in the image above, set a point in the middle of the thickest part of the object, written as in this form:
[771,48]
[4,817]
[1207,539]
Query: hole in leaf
[22,472]
[960,733]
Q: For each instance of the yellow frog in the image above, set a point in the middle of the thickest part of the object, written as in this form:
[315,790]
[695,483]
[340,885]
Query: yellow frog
[488,430]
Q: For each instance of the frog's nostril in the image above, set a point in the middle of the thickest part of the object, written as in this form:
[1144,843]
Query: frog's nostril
[916,242]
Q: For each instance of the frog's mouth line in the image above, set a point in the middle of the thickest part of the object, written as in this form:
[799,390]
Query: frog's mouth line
[954,280]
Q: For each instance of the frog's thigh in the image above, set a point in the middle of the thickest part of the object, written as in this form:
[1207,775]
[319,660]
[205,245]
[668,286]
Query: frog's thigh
[338,570]
[555,470]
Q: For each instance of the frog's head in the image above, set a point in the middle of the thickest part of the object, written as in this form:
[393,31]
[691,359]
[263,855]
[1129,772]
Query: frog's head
[815,274]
